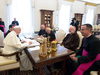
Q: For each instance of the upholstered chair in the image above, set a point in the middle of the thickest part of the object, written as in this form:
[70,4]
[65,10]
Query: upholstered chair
[7,64]
[60,35]
[94,73]
[98,27]
[95,27]
[80,37]
[1,38]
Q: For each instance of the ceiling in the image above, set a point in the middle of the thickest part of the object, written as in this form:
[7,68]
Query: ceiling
[92,1]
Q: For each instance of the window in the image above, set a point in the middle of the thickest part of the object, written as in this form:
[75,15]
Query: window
[23,12]
[64,18]
[90,16]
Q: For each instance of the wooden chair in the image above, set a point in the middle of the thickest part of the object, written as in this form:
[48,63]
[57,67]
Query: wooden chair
[7,64]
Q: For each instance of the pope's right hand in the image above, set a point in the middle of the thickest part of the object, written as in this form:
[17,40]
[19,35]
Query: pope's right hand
[30,42]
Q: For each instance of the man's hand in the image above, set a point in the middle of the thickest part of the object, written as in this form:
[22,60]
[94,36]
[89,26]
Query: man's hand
[74,21]
[23,41]
[30,42]
[74,58]
[62,45]
[41,36]
[73,55]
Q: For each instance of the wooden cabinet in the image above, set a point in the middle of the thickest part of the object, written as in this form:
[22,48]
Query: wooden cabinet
[98,19]
[79,16]
[47,17]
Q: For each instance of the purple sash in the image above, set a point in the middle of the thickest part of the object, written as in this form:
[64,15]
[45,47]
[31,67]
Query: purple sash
[3,29]
[85,66]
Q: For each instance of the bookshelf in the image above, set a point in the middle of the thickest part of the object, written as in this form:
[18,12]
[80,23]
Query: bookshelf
[98,19]
[79,16]
[47,17]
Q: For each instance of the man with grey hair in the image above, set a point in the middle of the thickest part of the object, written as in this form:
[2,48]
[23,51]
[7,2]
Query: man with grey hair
[71,41]
[13,44]
[50,33]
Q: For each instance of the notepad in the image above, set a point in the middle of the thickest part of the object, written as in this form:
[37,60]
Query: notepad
[34,48]
[28,37]
[34,43]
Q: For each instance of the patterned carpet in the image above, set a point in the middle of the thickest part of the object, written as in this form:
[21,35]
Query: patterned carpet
[17,72]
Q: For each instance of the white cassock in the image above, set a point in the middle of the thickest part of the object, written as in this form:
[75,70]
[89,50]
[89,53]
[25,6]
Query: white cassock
[13,44]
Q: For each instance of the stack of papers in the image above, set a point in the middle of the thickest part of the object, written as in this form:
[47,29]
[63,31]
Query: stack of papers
[29,37]
[34,48]
[34,43]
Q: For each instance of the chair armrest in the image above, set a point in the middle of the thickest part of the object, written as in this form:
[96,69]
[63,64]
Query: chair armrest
[98,71]
[15,53]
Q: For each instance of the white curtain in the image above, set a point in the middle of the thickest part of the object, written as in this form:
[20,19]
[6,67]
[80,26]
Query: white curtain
[64,17]
[23,12]
[9,15]
[90,16]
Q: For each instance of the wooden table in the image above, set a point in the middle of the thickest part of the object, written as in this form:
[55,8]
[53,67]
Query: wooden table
[38,62]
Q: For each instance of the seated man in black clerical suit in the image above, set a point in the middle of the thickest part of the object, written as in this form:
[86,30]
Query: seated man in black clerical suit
[42,32]
[11,27]
[51,34]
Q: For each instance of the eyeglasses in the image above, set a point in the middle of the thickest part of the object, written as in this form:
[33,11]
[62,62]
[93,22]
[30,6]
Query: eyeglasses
[83,29]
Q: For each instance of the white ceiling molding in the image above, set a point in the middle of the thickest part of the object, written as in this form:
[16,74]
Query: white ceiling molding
[91,1]
[9,2]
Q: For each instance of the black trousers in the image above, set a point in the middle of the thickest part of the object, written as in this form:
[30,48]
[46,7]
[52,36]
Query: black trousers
[71,67]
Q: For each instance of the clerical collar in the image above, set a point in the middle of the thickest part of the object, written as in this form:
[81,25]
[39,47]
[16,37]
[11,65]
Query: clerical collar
[88,36]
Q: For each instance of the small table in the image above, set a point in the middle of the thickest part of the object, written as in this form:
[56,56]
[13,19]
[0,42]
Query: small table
[38,62]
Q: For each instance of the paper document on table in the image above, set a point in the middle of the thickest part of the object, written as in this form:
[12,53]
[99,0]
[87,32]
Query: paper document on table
[28,36]
[34,48]
[34,43]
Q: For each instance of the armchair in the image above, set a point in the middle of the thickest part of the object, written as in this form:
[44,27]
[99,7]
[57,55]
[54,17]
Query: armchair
[60,35]
[7,64]
[80,37]
[1,38]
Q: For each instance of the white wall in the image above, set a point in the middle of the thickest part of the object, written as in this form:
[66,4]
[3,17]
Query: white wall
[98,9]
[47,5]
[3,11]
[76,7]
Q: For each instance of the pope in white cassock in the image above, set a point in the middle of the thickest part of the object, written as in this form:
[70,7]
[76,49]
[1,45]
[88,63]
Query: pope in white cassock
[13,44]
